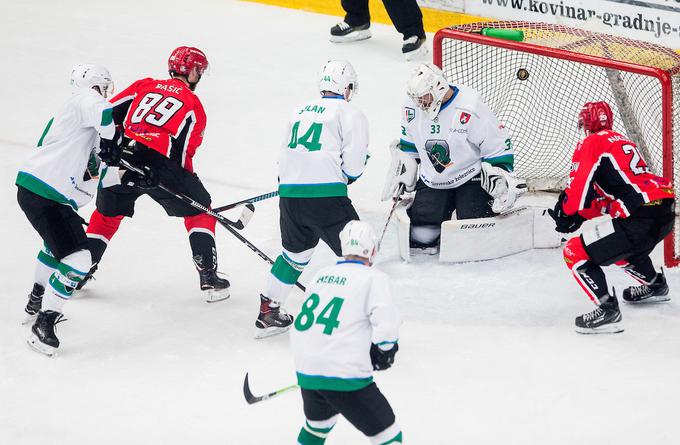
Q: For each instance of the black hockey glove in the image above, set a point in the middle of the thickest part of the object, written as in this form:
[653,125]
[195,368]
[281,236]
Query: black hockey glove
[565,223]
[110,150]
[147,178]
[380,359]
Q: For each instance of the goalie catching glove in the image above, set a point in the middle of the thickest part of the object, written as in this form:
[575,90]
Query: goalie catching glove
[403,171]
[503,186]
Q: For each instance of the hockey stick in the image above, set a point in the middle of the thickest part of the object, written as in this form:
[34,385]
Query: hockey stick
[250,398]
[246,201]
[397,200]
[239,224]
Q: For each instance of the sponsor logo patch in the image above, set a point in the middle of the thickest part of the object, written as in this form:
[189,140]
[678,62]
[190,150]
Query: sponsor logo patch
[464,118]
[409,114]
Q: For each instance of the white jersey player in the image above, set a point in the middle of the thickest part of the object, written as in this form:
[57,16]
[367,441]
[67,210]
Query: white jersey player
[347,328]
[465,156]
[61,175]
[325,149]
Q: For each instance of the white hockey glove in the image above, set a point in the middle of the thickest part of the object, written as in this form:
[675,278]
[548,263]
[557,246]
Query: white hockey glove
[403,170]
[504,187]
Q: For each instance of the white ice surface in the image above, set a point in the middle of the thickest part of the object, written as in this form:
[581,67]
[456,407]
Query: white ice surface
[488,352]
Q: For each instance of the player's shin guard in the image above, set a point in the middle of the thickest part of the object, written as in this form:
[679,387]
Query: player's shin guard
[284,273]
[391,434]
[201,230]
[315,431]
[45,266]
[587,274]
[99,232]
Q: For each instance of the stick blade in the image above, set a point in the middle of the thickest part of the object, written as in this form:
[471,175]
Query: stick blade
[250,398]
[244,218]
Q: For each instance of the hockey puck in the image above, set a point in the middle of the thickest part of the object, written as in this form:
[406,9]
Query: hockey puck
[522,74]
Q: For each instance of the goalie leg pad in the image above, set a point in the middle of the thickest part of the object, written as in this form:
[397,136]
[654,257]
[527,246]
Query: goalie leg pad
[480,239]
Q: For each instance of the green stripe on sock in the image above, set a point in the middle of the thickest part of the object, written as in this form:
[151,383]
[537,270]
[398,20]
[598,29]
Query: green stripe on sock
[47,260]
[307,438]
[59,287]
[284,272]
[318,430]
[395,439]
[70,272]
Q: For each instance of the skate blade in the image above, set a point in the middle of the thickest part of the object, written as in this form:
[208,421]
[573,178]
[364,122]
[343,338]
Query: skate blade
[40,347]
[352,37]
[613,328]
[656,299]
[417,54]
[213,296]
[269,332]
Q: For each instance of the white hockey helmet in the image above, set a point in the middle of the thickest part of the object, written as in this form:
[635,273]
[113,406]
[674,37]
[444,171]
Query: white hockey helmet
[427,87]
[338,76]
[358,238]
[89,76]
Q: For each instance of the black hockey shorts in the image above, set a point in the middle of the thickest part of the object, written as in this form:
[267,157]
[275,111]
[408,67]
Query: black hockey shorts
[367,408]
[120,199]
[431,207]
[304,221]
[60,227]
[631,238]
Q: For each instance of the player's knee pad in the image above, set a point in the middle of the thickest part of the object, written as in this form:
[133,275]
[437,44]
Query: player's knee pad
[201,223]
[315,431]
[425,235]
[70,271]
[103,227]
[575,254]
[289,265]
[391,434]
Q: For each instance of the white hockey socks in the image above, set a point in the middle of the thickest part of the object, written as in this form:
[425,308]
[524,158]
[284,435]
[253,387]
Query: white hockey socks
[69,272]
[285,272]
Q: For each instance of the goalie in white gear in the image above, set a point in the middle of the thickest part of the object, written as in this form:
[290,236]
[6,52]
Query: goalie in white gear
[347,328]
[453,152]
[325,149]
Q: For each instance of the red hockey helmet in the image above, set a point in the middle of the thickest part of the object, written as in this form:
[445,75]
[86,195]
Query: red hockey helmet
[186,58]
[595,116]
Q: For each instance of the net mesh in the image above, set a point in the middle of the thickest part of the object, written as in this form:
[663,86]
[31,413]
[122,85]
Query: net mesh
[538,97]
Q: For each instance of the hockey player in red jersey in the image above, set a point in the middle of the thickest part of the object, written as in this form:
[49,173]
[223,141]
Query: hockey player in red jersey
[610,177]
[165,120]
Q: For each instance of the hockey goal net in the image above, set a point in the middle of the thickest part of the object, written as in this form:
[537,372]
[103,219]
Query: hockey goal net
[537,86]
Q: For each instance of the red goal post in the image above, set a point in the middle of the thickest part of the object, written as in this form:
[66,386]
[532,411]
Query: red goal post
[537,85]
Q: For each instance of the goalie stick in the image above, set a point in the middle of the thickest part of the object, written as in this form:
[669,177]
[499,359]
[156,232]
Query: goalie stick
[400,191]
[239,224]
[250,398]
[246,201]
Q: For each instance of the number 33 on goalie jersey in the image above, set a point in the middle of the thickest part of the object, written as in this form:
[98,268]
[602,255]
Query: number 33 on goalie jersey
[348,307]
[164,115]
[325,148]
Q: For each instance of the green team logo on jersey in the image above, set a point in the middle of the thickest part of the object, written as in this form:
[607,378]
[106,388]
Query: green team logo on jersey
[439,153]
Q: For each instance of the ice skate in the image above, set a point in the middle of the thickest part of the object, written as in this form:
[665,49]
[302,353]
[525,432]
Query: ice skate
[34,303]
[414,47]
[214,287]
[272,319]
[344,32]
[654,292]
[43,336]
[605,319]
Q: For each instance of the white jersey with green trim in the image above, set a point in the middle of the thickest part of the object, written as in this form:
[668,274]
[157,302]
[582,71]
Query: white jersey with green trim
[65,167]
[326,145]
[453,145]
[348,307]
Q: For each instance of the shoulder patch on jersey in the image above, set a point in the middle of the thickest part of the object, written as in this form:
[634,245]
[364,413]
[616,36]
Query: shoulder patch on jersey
[464,117]
[409,114]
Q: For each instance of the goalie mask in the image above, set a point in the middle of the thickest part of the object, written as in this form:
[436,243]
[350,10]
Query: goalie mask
[358,238]
[90,76]
[595,116]
[427,87]
[339,77]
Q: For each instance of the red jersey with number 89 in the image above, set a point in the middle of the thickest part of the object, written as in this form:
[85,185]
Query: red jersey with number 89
[609,176]
[164,115]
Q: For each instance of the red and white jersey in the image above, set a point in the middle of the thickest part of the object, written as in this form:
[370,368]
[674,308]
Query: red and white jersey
[164,115]
[609,176]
